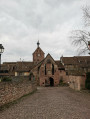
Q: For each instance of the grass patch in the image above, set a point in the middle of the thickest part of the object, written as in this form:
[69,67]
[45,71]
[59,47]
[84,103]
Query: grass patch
[5,106]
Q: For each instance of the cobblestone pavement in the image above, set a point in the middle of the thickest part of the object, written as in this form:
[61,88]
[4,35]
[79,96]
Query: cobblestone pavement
[51,103]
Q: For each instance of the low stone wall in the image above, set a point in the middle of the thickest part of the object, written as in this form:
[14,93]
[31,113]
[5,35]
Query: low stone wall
[20,86]
[77,82]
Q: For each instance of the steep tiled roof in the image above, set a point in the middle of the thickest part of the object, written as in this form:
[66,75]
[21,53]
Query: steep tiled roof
[4,67]
[24,66]
[38,49]
[77,60]
[59,64]
[69,60]
[83,61]
[9,63]
[8,68]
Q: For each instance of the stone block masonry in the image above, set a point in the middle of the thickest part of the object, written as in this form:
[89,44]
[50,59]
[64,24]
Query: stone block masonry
[20,86]
[77,82]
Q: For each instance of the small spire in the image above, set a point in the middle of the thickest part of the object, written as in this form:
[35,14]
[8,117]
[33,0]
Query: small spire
[38,43]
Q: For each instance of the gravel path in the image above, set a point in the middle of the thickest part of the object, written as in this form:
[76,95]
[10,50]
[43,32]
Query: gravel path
[51,103]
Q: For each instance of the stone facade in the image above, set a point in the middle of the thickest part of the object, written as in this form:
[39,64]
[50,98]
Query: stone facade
[20,86]
[77,82]
[47,72]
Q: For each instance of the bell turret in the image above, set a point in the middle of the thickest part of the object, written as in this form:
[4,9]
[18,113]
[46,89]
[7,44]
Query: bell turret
[38,54]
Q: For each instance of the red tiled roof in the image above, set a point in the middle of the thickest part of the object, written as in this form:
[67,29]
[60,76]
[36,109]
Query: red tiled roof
[76,60]
[69,60]
[38,49]
[9,63]
[24,66]
[59,64]
[4,67]
[80,61]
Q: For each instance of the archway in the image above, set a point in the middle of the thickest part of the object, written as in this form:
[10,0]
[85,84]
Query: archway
[51,81]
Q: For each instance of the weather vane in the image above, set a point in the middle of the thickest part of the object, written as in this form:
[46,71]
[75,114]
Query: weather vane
[38,43]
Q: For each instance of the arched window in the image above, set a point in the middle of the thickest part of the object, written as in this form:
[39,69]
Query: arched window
[45,70]
[52,69]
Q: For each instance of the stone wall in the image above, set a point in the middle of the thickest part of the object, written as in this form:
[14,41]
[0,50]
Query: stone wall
[77,82]
[20,86]
[63,76]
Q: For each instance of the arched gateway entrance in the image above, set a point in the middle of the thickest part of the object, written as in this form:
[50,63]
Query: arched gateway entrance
[51,81]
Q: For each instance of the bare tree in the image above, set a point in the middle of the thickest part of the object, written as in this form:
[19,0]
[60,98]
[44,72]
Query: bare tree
[86,15]
[81,38]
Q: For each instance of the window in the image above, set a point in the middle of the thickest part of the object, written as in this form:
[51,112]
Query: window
[66,73]
[52,69]
[45,70]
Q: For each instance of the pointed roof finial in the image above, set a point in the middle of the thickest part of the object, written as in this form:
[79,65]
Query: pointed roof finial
[38,43]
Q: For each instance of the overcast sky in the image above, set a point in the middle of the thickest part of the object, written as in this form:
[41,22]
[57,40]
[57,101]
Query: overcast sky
[23,22]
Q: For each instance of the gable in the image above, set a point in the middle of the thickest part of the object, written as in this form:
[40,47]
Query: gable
[49,59]
[45,60]
[38,50]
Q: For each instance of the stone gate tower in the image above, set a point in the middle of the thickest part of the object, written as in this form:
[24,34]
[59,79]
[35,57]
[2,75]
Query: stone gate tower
[38,54]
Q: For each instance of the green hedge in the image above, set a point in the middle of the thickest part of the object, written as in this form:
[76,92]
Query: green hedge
[6,79]
[87,82]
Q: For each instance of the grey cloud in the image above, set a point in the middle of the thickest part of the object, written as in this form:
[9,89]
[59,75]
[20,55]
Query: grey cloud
[21,20]
[38,15]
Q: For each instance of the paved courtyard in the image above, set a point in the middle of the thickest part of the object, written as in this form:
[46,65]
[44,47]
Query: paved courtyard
[51,103]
